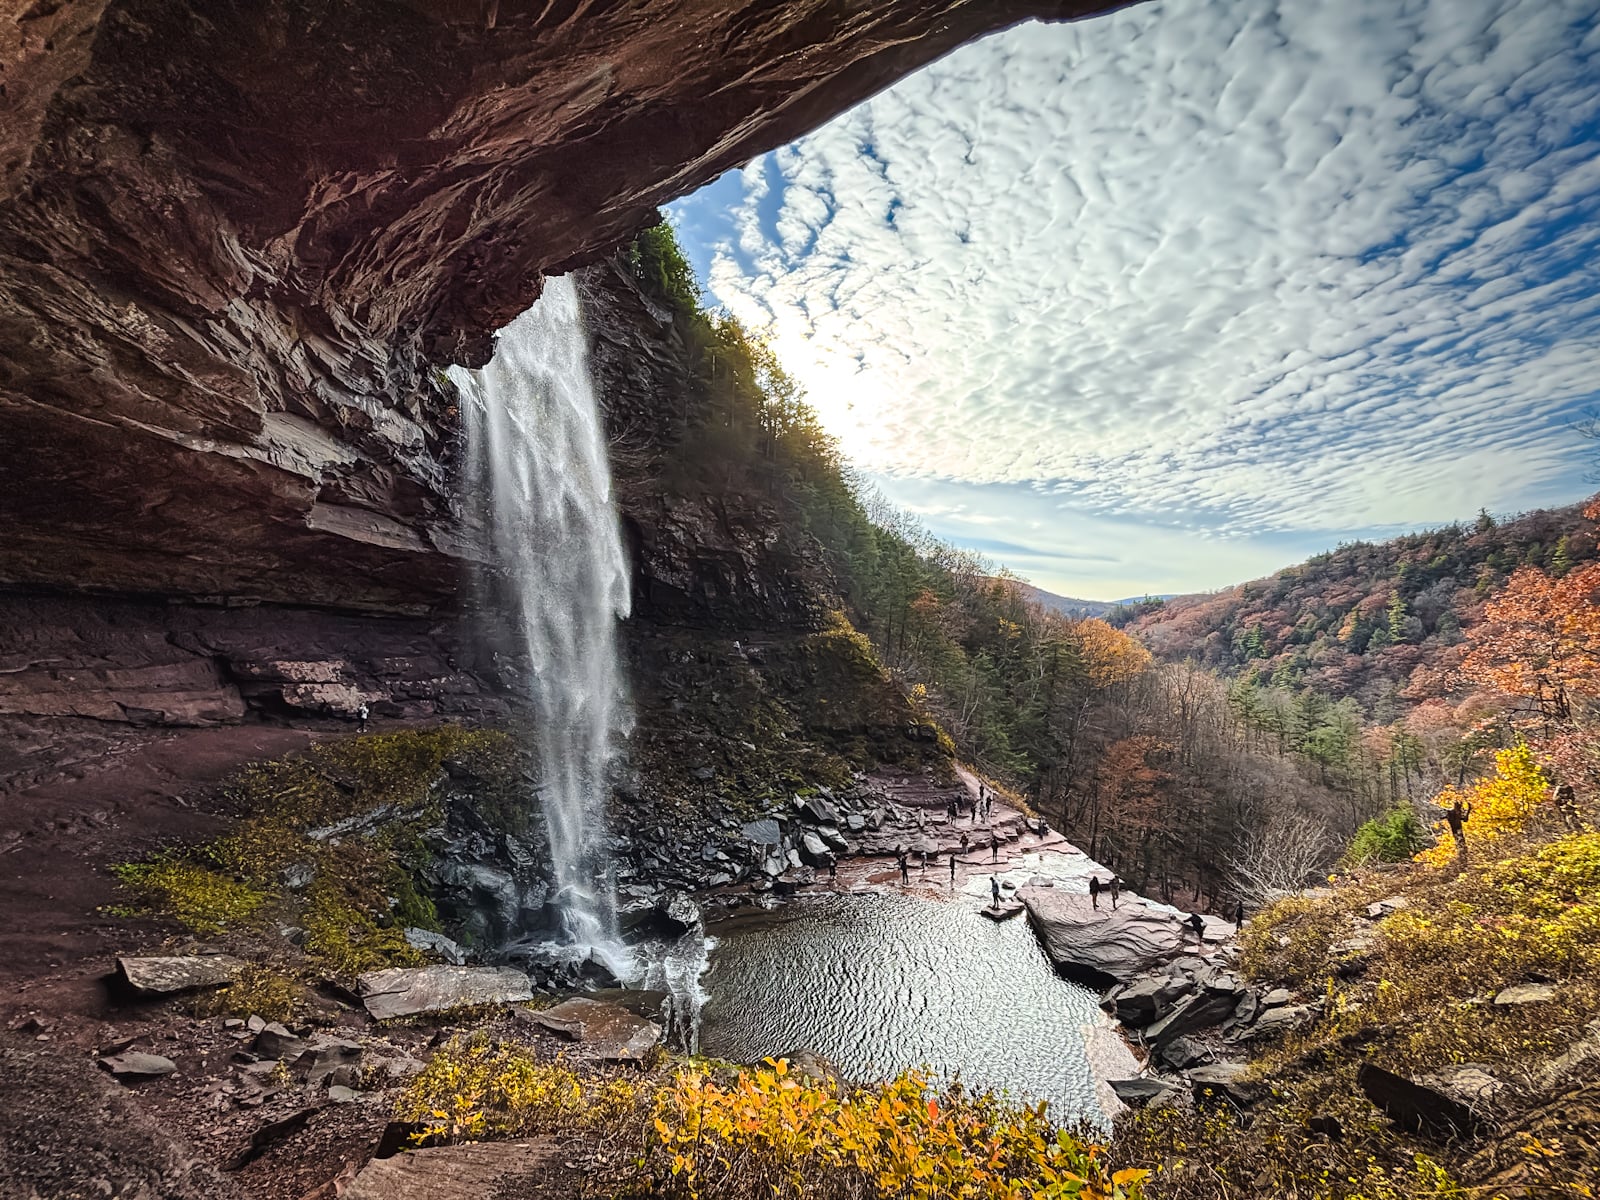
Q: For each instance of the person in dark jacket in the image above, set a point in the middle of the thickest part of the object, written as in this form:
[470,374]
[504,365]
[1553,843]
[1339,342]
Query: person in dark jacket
[1094,890]
[1116,890]
[1238,916]
[994,889]
[1198,924]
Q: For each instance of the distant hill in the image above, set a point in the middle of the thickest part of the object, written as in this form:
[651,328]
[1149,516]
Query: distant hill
[1378,621]
[1071,606]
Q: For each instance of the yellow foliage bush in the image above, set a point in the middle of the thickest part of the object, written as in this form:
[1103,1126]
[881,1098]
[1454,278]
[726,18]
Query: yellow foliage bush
[1501,806]
[772,1133]
[474,1088]
[768,1132]
[201,899]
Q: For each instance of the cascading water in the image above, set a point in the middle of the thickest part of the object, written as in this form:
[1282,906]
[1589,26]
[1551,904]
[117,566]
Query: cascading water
[537,463]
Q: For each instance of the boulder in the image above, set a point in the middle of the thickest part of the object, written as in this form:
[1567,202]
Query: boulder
[1141,1001]
[765,832]
[1471,1083]
[325,1056]
[132,1065]
[408,991]
[1181,1053]
[1276,997]
[610,1032]
[813,849]
[1121,943]
[436,943]
[1284,1019]
[161,976]
[1525,993]
[1199,1011]
[833,838]
[275,1042]
[1418,1108]
[1145,1091]
[819,812]
[339,1094]
[1229,1081]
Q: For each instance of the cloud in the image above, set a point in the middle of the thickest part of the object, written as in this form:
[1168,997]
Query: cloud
[1256,268]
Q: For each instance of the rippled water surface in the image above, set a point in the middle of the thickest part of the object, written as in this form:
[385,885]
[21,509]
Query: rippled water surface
[876,983]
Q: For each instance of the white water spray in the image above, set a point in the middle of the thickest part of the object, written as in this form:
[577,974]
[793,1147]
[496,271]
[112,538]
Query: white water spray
[537,462]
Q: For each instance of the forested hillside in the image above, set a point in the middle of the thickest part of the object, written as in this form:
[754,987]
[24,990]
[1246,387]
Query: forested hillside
[1146,764]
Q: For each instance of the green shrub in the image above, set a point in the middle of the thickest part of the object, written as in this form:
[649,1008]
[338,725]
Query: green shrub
[1393,837]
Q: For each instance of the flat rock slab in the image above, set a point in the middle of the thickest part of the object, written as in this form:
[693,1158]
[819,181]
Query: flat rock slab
[468,1172]
[611,1031]
[134,1065]
[1121,942]
[160,976]
[1525,993]
[408,991]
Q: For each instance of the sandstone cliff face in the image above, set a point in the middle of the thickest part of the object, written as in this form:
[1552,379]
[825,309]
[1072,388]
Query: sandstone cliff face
[239,237]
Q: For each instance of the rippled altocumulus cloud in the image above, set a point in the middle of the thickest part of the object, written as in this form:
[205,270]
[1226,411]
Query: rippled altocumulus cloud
[1252,267]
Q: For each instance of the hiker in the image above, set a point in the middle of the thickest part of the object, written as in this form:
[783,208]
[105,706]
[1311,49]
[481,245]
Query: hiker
[965,842]
[1116,890]
[952,870]
[361,717]
[994,849]
[902,858]
[1198,924]
[1094,890]
[1456,816]
[1238,916]
[1044,827]
[994,890]
[833,866]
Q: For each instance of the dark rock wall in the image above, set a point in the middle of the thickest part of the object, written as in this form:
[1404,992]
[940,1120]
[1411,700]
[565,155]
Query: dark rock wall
[238,238]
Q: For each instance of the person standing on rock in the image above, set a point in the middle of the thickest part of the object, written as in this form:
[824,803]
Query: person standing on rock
[1116,890]
[965,843]
[833,866]
[1198,924]
[952,870]
[361,718]
[1094,890]
[994,849]
[994,889]
[902,858]
[1238,916]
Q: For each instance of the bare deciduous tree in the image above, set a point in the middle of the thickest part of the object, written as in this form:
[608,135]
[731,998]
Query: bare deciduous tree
[1281,858]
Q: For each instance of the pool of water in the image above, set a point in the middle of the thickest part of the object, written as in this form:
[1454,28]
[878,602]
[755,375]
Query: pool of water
[879,981]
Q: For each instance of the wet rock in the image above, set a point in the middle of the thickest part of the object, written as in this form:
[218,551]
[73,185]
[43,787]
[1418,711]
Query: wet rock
[1525,993]
[160,976]
[133,1066]
[677,913]
[1146,1091]
[1140,1002]
[437,943]
[813,849]
[1228,1081]
[610,1032]
[1119,943]
[408,991]
[765,832]
[1418,1108]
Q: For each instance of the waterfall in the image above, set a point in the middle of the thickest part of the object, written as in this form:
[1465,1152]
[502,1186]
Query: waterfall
[537,464]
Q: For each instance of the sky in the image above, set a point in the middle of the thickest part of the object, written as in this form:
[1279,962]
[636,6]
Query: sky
[1167,299]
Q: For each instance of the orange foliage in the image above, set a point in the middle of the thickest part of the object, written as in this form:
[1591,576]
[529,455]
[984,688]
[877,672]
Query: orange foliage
[1540,642]
[1111,657]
